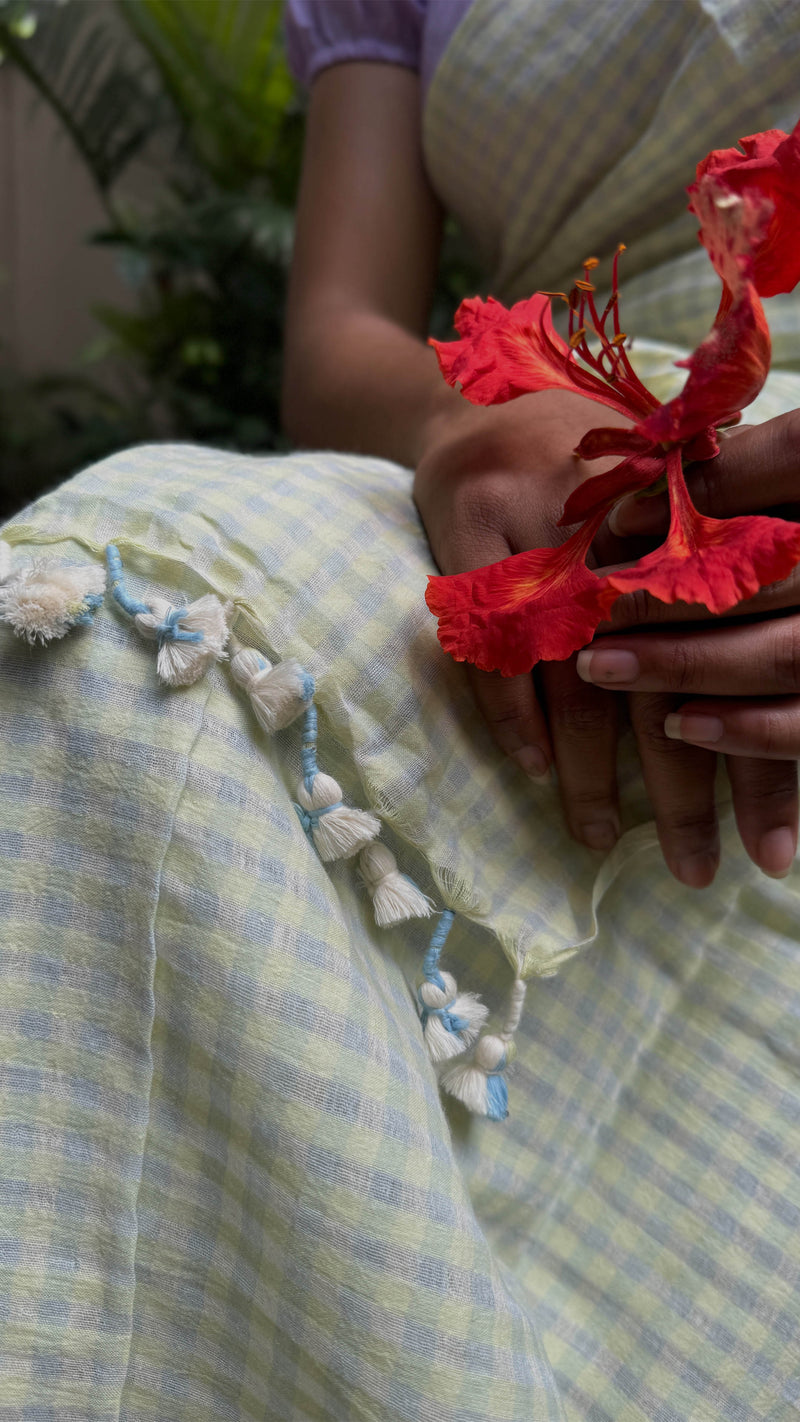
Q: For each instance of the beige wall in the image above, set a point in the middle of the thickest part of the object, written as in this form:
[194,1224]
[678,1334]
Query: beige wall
[49,276]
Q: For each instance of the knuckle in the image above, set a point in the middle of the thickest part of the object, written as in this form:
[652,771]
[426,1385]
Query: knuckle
[707,487]
[766,796]
[690,824]
[509,711]
[773,732]
[786,432]
[683,666]
[633,608]
[786,654]
[580,715]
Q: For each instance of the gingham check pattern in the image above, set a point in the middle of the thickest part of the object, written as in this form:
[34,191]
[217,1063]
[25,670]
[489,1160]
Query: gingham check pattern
[228,1185]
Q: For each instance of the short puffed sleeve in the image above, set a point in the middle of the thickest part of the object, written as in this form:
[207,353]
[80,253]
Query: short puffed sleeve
[324,32]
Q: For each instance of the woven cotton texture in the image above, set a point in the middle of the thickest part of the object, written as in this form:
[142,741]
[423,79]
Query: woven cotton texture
[231,1188]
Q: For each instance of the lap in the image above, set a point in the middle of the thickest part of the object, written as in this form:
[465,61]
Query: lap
[234,1184]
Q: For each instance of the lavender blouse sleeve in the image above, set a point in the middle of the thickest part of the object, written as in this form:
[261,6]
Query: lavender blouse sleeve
[324,32]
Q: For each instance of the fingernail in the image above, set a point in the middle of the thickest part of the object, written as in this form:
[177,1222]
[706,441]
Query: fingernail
[535,764]
[702,730]
[607,666]
[601,835]
[776,851]
[696,870]
[639,515]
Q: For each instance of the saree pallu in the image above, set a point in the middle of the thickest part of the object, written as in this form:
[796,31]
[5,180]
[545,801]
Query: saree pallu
[229,1184]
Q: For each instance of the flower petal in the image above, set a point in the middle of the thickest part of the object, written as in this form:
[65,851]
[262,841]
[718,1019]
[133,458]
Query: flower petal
[717,562]
[598,492]
[726,372]
[729,367]
[503,353]
[613,439]
[770,164]
[536,606]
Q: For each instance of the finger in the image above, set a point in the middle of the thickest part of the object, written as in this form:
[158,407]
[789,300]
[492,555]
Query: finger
[755,659]
[763,728]
[765,805]
[583,726]
[680,783]
[757,468]
[641,609]
[509,705]
[511,710]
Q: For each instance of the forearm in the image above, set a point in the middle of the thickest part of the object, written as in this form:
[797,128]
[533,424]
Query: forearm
[355,380]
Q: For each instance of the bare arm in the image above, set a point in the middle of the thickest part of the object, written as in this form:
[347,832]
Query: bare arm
[358,374]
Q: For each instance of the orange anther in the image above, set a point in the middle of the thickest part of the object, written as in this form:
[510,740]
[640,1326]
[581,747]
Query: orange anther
[590,264]
[618,340]
[584,285]
[576,339]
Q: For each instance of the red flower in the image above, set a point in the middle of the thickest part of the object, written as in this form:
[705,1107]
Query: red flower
[770,164]
[546,598]
[716,561]
[545,604]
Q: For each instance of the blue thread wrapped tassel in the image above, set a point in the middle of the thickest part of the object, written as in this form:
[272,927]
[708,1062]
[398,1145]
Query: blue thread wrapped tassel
[451,1020]
[190,639]
[336,830]
[277,694]
[480,1082]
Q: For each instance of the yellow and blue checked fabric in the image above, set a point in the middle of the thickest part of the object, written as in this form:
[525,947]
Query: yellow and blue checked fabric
[230,1187]
[556,129]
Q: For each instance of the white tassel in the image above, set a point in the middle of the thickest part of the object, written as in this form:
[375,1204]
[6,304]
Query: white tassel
[480,1082]
[5,562]
[394,897]
[45,600]
[337,830]
[277,693]
[451,1020]
[190,638]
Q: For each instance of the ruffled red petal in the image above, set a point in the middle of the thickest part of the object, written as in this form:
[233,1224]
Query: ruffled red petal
[717,562]
[536,606]
[726,372]
[597,493]
[503,353]
[729,367]
[770,165]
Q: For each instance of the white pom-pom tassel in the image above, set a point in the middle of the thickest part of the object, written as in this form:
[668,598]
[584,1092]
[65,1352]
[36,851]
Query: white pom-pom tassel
[394,897]
[451,1020]
[337,830]
[277,693]
[479,1083]
[46,599]
[5,562]
[190,639]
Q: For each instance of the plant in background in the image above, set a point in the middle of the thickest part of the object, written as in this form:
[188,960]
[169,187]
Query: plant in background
[202,92]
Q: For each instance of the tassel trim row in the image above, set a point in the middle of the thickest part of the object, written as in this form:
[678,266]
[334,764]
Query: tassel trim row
[43,601]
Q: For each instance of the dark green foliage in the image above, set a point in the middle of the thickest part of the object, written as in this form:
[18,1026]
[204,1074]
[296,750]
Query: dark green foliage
[204,87]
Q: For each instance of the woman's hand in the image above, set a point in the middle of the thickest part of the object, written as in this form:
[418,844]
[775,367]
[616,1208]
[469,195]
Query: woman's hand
[492,482]
[751,659]
[480,503]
